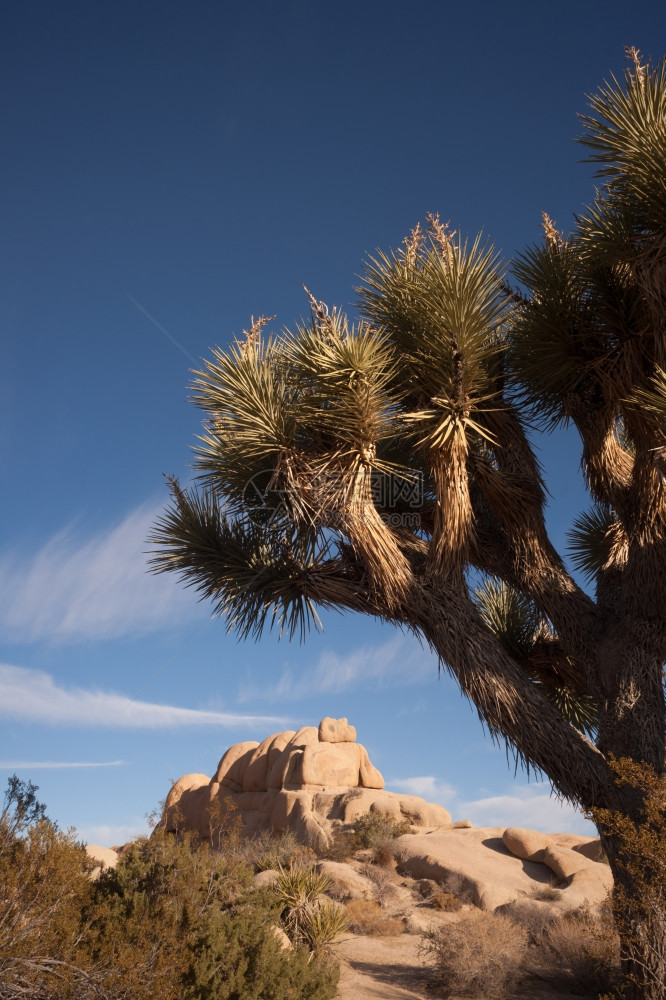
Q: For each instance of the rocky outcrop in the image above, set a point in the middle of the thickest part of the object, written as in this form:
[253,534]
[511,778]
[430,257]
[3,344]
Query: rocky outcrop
[313,781]
[564,853]
[577,862]
[103,857]
[493,868]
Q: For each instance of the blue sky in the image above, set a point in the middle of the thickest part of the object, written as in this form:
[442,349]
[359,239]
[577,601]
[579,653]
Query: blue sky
[169,170]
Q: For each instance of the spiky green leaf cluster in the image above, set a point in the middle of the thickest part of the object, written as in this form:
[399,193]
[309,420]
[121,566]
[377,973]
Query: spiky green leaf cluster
[510,615]
[586,337]
[590,540]
[514,619]
[292,420]
[443,311]
[627,135]
[257,574]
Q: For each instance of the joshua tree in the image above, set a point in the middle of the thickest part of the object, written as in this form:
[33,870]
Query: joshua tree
[386,467]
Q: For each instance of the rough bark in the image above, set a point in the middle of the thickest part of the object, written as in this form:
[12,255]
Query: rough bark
[640,910]
[632,727]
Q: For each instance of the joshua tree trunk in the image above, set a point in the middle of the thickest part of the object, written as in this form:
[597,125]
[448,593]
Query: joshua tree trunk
[632,825]
[627,807]
[435,390]
[641,923]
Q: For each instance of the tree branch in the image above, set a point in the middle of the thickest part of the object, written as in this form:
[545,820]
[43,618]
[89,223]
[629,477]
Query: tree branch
[509,703]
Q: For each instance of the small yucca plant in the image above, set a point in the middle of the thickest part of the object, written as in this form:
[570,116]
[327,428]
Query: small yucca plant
[321,922]
[299,890]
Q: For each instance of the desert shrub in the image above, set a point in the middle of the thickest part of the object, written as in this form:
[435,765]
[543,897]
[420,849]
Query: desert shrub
[235,957]
[148,911]
[459,886]
[383,855]
[578,950]
[266,850]
[341,848]
[534,918]
[376,828]
[480,955]
[224,823]
[172,921]
[165,895]
[302,856]
[383,883]
[426,886]
[443,900]
[365,916]
[43,890]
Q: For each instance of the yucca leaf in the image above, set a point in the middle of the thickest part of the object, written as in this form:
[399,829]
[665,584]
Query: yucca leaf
[510,615]
[590,540]
[442,315]
[577,708]
[257,574]
[652,401]
[627,135]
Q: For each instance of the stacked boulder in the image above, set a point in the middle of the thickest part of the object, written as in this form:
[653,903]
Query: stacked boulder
[576,861]
[493,867]
[313,782]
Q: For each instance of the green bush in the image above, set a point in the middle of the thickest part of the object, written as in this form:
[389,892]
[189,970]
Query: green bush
[44,889]
[173,921]
[375,829]
[235,957]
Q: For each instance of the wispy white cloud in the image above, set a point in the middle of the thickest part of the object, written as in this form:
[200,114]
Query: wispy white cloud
[107,835]
[532,806]
[75,588]
[401,660]
[428,787]
[32,765]
[33,696]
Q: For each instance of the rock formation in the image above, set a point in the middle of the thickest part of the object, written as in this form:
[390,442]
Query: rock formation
[494,868]
[319,780]
[313,782]
[104,857]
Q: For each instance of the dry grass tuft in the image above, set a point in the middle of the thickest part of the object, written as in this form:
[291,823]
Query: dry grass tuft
[445,901]
[529,914]
[547,894]
[579,951]
[365,916]
[383,855]
[480,955]
[383,881]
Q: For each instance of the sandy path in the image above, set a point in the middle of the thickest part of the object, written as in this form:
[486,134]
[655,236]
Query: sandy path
[387,968]
[391,968]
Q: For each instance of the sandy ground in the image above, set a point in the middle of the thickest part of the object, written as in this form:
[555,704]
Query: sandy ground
[391,968]
[394,968]
[387,968]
